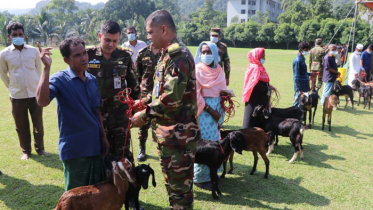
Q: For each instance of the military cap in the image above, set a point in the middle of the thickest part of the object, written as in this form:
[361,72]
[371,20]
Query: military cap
[318,40]
[215,31]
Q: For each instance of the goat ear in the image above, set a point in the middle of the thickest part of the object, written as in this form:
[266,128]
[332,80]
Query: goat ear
[119,183]
[153,178]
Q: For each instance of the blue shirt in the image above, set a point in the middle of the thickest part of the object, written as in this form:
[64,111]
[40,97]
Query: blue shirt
[365,56]
[300,74]
[77,110]
[329,63]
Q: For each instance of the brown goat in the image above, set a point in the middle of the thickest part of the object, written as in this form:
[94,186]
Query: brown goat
[330,103]
[106,195]
[256,140]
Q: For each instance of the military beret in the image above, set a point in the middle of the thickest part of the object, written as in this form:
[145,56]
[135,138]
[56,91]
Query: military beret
[215,31]
[318,40]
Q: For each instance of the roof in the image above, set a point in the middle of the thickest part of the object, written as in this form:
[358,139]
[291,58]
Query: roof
[368,4]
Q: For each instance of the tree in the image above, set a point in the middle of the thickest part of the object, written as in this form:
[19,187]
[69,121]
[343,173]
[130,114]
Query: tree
[46,27]
[229,33]
[127,9]
[251,31]
[5,18]
[328,28]
[267,33]
[260,17]
[341,11]
[62,9]
[308,31]
[285,33]
[235,19]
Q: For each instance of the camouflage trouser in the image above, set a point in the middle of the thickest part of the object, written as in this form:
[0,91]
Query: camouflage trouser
[177,164]
[116,135]
[143,132]
[313,79]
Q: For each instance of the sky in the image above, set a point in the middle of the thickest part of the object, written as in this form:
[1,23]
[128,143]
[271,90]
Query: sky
[23,4]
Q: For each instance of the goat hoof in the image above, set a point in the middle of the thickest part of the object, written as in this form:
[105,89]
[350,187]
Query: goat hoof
[216,197]
[222,176]
[230,172]
[252,173]
[266,176]
[290,161]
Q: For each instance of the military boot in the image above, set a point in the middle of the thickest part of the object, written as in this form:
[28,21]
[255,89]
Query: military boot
[142,156]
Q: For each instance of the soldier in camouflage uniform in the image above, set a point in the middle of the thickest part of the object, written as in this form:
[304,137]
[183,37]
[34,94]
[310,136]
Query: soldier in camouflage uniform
[146,62]
[225,63]
[113,68]
[173,110]
[317,63]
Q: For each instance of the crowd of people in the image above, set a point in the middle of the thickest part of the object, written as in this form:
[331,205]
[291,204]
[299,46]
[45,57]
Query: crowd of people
[181,96]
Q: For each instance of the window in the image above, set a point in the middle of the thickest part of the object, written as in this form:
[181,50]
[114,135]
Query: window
[253,3]
[243,11]
[243,2]
[249,2]
[242,20]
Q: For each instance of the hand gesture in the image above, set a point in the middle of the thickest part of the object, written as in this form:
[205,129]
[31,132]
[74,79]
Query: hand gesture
[136,120]
[45,55]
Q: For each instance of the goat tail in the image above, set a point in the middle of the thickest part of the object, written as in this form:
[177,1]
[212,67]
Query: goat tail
[302,129]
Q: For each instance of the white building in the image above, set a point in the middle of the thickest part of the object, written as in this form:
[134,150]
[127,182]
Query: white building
[244,9]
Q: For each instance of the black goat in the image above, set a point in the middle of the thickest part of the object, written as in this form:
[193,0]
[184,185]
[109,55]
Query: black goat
[142,173]
[364,91]
[309,101]
[288,127]
[213,153]
[345,91]
[290,112]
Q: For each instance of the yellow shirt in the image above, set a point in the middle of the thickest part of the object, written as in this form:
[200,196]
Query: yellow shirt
[20,70]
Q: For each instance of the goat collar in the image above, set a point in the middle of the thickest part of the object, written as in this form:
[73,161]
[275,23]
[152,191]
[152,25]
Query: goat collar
[222,150]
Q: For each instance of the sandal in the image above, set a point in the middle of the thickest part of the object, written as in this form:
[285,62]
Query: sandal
[205,185]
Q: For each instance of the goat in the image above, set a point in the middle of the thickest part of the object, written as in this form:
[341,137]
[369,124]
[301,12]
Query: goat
[257,140]
[213,153]
[365,90]
[288,127]
[330,104]
[142,173]
[109,194]
[344,90]
[310,102]
[290,112]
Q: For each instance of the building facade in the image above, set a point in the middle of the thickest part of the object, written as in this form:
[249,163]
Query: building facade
[244,9]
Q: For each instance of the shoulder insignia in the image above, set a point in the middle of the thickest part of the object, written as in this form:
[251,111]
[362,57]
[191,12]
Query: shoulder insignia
[225,45]
[126,49]
[174,49]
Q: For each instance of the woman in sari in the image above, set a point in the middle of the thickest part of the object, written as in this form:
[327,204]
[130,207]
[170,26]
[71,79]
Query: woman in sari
[256,88]
[210,83]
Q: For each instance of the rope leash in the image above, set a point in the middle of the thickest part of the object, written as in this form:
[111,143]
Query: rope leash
[125,98]
[228,106]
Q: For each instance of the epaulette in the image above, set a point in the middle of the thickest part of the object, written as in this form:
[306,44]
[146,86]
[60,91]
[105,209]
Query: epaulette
[126,49]
[91,48]
[224,44]
[143,49]
[174,49]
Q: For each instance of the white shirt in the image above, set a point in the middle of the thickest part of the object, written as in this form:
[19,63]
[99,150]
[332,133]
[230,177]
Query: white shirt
[338,57]
[20,70]
[354,67]
[139,45]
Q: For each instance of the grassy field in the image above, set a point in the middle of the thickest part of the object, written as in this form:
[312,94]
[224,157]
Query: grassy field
[335,174]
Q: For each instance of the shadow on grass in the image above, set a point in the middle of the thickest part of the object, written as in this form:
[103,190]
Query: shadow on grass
[313,154]
[21,194]
[148,157]
[337,129]
[252,191]
[231,127]
[150,206]
[51,161]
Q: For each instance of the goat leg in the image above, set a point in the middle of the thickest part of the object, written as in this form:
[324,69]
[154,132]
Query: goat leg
[127,203]
[346,102]
[214,182]
[266,161]
[224,169]
[313,117]
[309,117]
[301,151]
[294,157]
[231,163]
[255,153]
[330,121]
[323,121]
[276,140]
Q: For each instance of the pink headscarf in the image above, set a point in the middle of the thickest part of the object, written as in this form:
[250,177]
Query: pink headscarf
[210,82]
[254,72]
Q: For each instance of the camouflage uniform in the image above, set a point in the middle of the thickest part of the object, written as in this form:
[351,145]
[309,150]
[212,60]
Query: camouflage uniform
[225,62]
[146,62]
[316,65]
[174,121]
[119,68]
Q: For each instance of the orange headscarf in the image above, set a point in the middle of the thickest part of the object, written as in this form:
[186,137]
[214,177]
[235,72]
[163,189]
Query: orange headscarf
[254,72]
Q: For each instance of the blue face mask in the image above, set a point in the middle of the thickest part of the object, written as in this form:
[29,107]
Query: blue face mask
[262,61]
[18,41]
[207,59]
[131,37]
[369,52]
[333,52]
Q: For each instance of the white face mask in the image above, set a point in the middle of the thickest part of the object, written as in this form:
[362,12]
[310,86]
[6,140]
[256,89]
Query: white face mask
[214,39]
[207,59]
[304,53]
[131,37]
[333,52]
[359,53]
[262,61]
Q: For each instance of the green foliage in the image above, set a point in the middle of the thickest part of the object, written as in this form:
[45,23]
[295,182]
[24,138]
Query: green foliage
[190,6]
[285,33]
[127,9]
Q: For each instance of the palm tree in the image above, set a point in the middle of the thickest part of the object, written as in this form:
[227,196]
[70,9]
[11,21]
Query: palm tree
[4,21]
[45,27]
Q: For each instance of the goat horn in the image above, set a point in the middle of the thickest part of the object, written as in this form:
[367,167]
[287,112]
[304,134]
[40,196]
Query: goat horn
[120,164]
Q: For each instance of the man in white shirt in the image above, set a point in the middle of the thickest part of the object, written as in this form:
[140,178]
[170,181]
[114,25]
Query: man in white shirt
[134,44]
[338,56]
[355,64]
[20,70]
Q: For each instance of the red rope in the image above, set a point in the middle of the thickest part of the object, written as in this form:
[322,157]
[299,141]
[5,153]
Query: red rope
[228,105]
[222,149]
[125,98]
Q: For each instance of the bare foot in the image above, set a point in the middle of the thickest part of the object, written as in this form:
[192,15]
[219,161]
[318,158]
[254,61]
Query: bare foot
[44,153]
[25,157]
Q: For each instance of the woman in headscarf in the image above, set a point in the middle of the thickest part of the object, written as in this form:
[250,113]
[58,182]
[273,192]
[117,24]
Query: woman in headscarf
[256,87]
[210,83]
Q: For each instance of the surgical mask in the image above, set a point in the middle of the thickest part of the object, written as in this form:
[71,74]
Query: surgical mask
[304,53]
[207,59]
[214,39]
[369,52]
[262,61]
[333,52]
[131,37]
[18,41]
[359,53]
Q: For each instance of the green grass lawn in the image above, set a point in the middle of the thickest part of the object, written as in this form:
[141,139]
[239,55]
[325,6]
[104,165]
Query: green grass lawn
[335,172]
